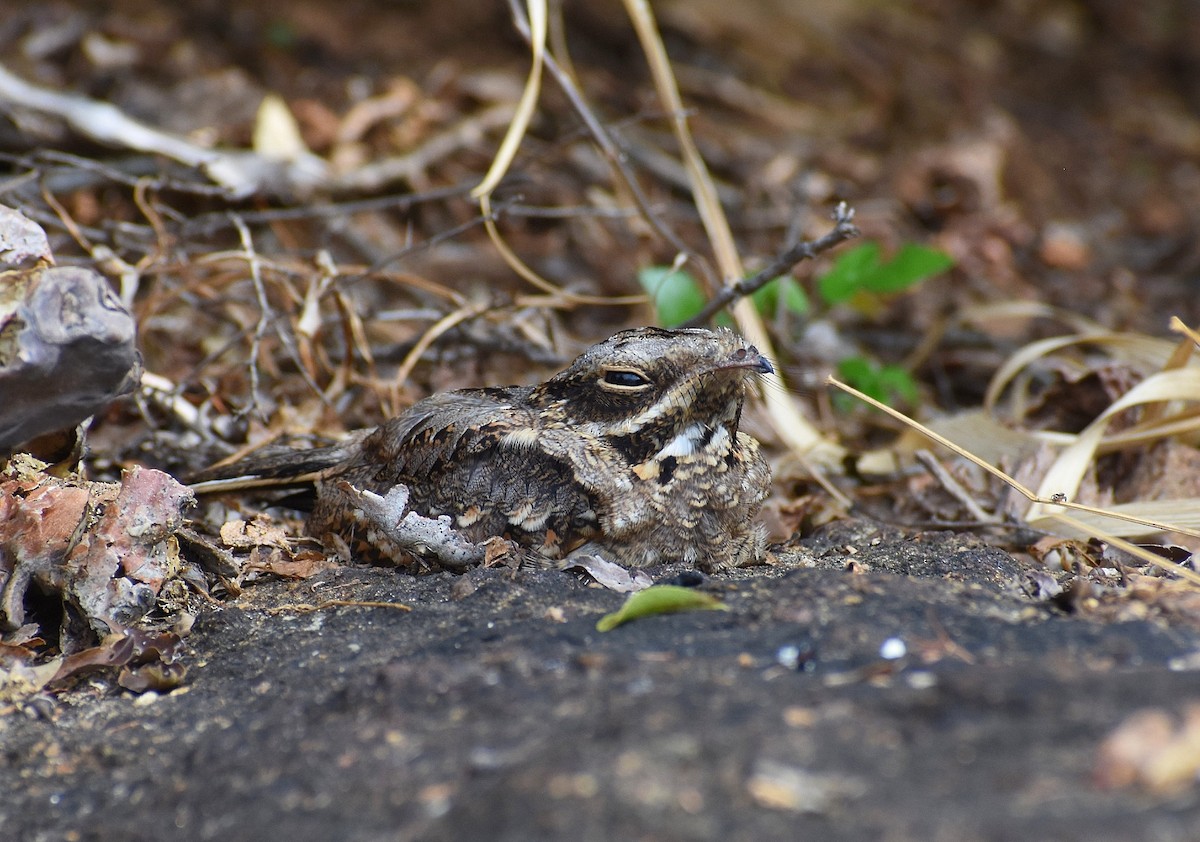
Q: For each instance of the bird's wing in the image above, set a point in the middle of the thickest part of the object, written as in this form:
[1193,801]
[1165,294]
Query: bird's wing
[477,455]
[438,432]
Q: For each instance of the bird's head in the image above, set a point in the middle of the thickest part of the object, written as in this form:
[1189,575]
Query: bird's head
[647,386]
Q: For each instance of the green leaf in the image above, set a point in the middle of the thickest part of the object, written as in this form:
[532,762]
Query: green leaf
[767,297]
[861,270]
[660,599]
[676,294]
[911,265]
[848,273]
[883,383]
[794,297]
[896,381]
[858,372]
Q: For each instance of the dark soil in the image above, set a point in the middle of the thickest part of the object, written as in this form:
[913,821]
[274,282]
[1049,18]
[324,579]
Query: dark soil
[495,710]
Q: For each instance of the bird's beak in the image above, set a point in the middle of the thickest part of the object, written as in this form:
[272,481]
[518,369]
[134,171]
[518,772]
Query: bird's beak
[748,358]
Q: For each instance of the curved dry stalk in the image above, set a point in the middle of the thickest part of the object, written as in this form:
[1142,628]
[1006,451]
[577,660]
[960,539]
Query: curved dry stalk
[1067,472]
[567,298]
[1178,326]
[608,147]
[431,334]
[1052,507]
[537,23]
[538,27]
[1147,351]
[792,427]
[704,191]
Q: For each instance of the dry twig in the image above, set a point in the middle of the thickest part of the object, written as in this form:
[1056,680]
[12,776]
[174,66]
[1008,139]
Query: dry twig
[616,158]
[304,607]
[239,173]
[954,488]
[1054,506]
[844,229]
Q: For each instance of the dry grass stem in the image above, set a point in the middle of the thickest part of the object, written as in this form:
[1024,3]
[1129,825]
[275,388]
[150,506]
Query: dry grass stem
[1053,505]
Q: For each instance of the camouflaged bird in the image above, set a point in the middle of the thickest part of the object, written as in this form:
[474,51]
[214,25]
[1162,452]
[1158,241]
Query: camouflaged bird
[632,453]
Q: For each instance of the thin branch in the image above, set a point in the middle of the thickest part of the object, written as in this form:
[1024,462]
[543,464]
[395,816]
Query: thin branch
[338,603]
[239,173]
[616,156]
[63,172]
[844,229]
[264,312]
[284,326]
[210,223]
[953,487]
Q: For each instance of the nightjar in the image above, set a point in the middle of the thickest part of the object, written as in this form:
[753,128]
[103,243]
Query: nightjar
[631,453]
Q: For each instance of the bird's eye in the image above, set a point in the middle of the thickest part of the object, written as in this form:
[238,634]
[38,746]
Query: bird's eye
[625,378]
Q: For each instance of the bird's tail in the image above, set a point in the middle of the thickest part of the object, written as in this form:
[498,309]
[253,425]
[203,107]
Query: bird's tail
[273,466]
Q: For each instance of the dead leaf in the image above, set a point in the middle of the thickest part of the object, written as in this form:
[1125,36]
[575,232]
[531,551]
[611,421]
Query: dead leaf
[259,530]
[157,676]
[148,661]
[1153,749]
[782,787]
[302,565]
[20,681]
[115,651]
[1064,553]
[611,575]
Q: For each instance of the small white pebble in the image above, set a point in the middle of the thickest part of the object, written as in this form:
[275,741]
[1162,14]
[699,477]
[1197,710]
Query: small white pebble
[892,649]
[921,680]
[788,656]
[1185,663]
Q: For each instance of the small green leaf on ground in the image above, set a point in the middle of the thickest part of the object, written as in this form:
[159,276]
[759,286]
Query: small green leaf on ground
[911,265]
[660,599]
[677,296]
[861,269]
[848,273]
[885,383]
[782,289]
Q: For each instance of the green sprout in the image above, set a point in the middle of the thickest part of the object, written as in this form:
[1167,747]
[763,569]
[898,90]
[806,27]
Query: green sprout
[860,277]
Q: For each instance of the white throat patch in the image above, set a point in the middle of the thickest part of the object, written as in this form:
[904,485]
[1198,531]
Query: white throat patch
[687,440]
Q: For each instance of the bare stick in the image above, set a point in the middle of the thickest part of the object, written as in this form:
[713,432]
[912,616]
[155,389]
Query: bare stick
[338,603]
[844,229]
[615,155]
[953,487]
[264,310]
[239,173]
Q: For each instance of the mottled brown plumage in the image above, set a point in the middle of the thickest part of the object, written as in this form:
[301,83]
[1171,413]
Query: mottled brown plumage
[632,453]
